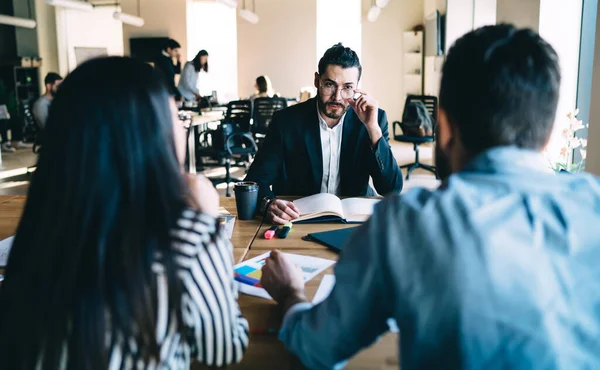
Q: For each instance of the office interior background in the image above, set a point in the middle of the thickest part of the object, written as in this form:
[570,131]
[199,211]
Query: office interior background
[401,44]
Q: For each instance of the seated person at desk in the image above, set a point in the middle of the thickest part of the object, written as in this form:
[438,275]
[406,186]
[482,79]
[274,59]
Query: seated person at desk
[328,144]
[188,83]
[264,88]
[496,269]
[42,105]
[118,261]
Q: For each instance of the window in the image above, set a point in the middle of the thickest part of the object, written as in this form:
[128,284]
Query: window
[338,21]
[213,27]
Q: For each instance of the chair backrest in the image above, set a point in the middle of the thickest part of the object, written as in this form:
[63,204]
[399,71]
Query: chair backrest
[263,111]
[430,102]
[239,112]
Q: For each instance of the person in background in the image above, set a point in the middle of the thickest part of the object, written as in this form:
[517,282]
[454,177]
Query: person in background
[264,88]
[164,62]
[118,261]
[333,143]
[496,269]
[188,83]
[41,106]
[15,126]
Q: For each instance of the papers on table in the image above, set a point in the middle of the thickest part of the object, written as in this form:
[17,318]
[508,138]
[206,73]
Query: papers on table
[325,289]
[248,273]
[5,246]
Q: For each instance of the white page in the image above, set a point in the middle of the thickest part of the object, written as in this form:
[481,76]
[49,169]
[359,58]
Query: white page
[325,289]
[5,246]
[359,206]
[311,267]
[319,203]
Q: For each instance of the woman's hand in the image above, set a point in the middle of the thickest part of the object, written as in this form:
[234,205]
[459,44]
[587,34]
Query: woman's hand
[203,195]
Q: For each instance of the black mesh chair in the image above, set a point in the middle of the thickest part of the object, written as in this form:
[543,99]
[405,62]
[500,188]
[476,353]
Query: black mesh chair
[262,114]
[226,147]
[239,112]
[431,103]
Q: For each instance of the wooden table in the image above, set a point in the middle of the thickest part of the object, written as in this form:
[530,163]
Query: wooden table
[244,232]
[264,351]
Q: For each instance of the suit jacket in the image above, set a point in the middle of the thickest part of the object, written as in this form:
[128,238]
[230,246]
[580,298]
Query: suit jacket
[165,64]
[291,158]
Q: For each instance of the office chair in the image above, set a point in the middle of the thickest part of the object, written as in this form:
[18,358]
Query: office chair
[431,103]
[263,111]
[227,146]
[239,112]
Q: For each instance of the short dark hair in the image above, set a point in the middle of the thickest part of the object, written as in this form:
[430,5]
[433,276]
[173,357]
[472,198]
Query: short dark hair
[171,44]
[338,55]
[51,78]
[500,87]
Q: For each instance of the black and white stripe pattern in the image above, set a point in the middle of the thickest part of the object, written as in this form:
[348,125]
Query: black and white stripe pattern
[217,333]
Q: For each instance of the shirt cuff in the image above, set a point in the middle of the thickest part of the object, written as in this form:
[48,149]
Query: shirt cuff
[295,309]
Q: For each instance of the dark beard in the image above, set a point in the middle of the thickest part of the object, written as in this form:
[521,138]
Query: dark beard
[323,106]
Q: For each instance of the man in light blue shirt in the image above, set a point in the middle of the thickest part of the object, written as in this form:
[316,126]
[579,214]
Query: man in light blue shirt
[497,269]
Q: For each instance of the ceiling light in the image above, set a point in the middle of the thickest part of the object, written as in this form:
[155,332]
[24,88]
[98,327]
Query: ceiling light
[230,3]
[249,15]
[17,22]
[71,4]
[382,3]
[373,13]
[128,19]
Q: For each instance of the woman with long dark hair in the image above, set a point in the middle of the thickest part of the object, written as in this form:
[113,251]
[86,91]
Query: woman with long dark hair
[118,261]
[188,83]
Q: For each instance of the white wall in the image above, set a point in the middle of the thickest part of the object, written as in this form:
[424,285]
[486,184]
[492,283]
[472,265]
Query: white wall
[459,20]
[47,41]
[382,53]
[433,65]
[521,13]
[164,18]
[212,26]
[484,13]
[95,29]
[565,40]
[283,46]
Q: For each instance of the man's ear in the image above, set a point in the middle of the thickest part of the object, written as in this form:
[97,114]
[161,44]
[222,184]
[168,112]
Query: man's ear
[444,129]
[317,80]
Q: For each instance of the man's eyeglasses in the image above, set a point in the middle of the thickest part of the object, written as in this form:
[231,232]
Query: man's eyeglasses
[329,88]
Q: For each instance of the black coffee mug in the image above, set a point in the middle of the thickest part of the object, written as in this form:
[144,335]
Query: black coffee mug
[246,199]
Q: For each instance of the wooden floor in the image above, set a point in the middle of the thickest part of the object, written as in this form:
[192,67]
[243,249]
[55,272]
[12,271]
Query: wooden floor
[14,179]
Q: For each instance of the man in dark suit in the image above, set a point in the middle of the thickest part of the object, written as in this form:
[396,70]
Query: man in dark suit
[330,144]
[164,62]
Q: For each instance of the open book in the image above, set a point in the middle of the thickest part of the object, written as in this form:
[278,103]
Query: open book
[326,207]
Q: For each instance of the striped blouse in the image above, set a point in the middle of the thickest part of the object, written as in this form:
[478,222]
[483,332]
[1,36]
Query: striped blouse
[216,332]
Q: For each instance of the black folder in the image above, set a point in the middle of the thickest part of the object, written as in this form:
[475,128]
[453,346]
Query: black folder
[332,239]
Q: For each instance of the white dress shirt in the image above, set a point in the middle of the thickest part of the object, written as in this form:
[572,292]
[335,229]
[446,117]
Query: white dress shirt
[331,146]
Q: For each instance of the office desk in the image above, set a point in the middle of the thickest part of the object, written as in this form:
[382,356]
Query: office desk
[198,124]
[244,232]
[265,350]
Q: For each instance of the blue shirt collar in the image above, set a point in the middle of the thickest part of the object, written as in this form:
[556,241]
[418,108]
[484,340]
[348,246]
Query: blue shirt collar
[508,159]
